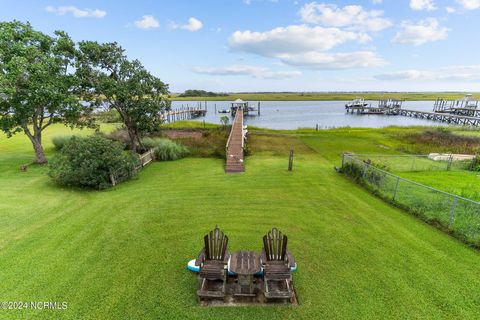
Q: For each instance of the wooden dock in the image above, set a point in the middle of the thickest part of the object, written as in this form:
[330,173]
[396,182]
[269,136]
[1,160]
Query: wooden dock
[383,107]
[183,113]
[465,107]
[365,110]
[235,145]
[438,116]
[460,112]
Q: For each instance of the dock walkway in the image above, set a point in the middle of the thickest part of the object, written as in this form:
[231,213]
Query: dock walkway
[234,147]
[441,117]
[182,113]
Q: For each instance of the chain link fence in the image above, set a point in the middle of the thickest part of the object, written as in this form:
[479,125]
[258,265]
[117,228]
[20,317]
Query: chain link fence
[458,214]
[410,163]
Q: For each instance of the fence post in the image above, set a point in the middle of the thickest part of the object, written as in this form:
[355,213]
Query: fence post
[365,169]
[452,214]
[449,164]
[472,163]
[290,160]
[413,164]
[396,188]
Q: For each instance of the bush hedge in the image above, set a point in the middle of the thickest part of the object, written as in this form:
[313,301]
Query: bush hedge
[59,141]
[89,162]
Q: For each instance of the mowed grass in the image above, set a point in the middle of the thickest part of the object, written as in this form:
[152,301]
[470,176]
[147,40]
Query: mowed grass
[463,183]
[121,253]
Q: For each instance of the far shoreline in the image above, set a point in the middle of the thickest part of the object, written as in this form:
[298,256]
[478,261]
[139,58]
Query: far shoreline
[330,96]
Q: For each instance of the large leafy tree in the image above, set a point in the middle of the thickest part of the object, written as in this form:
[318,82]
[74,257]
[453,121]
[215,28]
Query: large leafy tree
[113,81]
[38,86]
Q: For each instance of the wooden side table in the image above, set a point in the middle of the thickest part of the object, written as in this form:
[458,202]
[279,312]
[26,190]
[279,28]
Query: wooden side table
[245,264]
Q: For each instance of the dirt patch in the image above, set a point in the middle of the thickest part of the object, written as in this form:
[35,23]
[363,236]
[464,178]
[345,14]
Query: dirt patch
[181,134]
[276,144]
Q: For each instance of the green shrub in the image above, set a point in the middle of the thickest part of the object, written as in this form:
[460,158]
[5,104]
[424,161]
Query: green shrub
[90,162]
[474,164]
[166,149]
[60,141]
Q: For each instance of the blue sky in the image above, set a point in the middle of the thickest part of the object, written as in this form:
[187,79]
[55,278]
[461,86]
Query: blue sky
[281,45]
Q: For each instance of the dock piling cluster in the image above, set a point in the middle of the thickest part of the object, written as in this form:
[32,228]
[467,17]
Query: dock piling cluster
[463,112]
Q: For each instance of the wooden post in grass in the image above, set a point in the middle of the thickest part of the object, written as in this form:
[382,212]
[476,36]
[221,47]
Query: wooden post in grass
[258,109]
[290,160]
[316,127]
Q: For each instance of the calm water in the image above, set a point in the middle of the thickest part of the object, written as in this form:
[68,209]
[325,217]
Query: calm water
[307,114]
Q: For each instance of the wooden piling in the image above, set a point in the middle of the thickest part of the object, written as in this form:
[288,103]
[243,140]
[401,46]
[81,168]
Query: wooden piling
[290,160]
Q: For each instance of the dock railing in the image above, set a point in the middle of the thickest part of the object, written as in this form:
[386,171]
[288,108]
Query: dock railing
[459,215]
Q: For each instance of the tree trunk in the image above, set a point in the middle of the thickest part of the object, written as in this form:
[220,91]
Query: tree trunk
[36,140]
[39,153]
[133,140]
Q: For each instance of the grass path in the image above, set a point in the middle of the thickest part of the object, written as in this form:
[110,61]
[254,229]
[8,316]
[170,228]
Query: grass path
[121,253]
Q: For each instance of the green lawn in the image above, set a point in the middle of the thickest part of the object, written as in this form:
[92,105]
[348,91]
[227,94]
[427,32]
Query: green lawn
[464,183]
[121,253]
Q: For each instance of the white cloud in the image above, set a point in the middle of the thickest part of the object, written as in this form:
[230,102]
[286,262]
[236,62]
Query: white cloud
[305,46]
[450,10]
[377,1]
[427,30]
[406,75]
[193,25]
[256,72]
[326,61]
[469,4]
[248,2]
[147,22]
[419,5]
[353,17]
[291,39]
[77,13]
[451,73]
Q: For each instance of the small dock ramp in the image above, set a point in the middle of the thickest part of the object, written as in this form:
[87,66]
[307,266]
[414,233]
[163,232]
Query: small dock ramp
[235,145]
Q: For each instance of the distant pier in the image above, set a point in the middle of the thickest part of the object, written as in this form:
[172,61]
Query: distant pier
[359,107]
[440,117]
[183,113]
[463,112]
[244,107]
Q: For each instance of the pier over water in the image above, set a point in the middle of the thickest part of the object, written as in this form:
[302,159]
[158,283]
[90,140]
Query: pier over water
[235,145]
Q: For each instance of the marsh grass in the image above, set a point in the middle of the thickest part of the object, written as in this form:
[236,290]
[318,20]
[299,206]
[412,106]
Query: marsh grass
[166,149]
[442,140]
[319,96]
